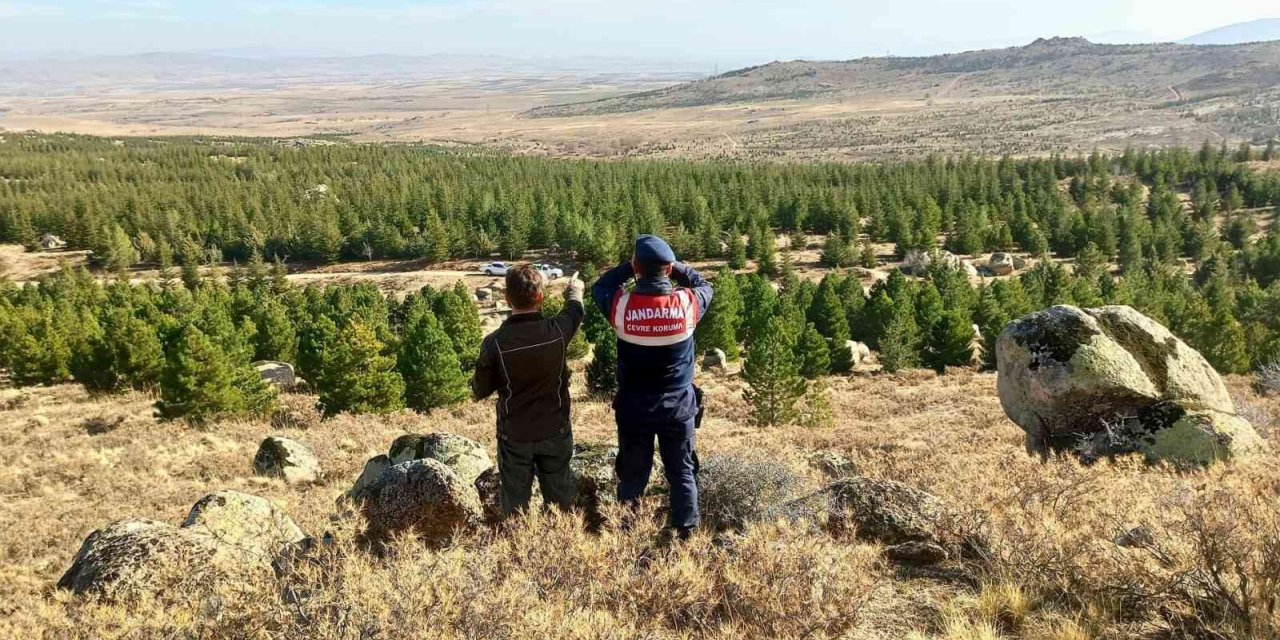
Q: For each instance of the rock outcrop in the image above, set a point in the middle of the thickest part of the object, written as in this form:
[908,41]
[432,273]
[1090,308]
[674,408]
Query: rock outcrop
[277,374]
[226,535]
[250,525]
[861,352]
[372,469]
[421,497]
[137,554]
[280,457]
[466,457]
[715,359]
[1111,381]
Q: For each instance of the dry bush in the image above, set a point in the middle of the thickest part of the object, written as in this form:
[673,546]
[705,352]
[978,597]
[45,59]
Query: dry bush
[1266,380]
[735,491]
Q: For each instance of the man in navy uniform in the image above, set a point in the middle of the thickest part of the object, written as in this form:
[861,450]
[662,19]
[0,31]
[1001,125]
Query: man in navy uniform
[656,398]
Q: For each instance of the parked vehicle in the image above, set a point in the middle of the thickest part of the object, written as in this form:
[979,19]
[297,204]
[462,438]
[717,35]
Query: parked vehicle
[495,269]
[549,272]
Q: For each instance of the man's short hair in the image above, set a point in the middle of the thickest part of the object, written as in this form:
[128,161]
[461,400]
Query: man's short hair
[524,286]
[652,269]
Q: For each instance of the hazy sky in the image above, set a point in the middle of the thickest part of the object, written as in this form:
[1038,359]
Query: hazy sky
[723,31]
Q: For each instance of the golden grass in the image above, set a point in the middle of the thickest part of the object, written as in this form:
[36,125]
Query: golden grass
[1050,568]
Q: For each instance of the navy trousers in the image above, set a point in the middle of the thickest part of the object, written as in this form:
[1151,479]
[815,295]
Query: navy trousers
[679,460]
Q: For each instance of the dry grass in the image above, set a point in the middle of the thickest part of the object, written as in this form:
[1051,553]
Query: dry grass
[1209,566]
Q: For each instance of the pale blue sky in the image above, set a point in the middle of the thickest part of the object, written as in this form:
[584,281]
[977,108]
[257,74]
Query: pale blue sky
[723,31]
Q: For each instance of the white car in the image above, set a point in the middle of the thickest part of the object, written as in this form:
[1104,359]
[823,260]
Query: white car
[549,272]
[495,269]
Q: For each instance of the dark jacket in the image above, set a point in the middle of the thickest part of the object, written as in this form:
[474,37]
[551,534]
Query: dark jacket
[655,382]
[524,362]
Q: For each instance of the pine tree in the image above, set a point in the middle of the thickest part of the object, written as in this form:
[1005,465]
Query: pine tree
[900,344]
[867,258]
[429,366]
[766,252]
[578,347]
[836,252]
[602,373]
[276,338]
[315,339]
[199,382]
[827,314]
[1228,349]
[950,342]
[991,319]
[718,329]
[737,250]
[595,326]
[128,354]
[460,319]
[813,353]
[356,376]
[116,252]
[774,377]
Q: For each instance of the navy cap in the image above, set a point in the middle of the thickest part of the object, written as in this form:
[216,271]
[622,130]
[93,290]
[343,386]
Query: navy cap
[654,249]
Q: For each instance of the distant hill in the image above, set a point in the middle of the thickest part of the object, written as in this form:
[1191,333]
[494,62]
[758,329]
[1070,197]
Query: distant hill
[1241,32]
[1052,68]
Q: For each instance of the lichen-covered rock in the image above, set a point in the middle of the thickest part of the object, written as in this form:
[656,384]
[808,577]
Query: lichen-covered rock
[422,497]
[277,374]
[138,555]
[916,553]
[1075,379]
[883,511]
[466,457]
[594,472]
[250,525]
[280,457]
[833,465]
[1001,264]
[372,469]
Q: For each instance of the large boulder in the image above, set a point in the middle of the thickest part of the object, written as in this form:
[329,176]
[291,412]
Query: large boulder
[1110,381]
[281,457]
[466,457]
[248,524]
[861,353]
[368,476]
[277,374]
[1001,264]
[138,555]
[424,498]
[715,359]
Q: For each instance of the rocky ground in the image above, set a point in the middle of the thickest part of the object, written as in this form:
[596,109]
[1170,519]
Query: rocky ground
[1119,549]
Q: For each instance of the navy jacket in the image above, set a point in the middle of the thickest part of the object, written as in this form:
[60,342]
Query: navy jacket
[655,382]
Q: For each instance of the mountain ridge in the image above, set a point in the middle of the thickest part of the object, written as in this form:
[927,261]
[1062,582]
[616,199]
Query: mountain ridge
[1070,66]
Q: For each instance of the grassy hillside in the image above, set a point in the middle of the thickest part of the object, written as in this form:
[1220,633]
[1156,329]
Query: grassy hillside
[1058,66]
[1052,569]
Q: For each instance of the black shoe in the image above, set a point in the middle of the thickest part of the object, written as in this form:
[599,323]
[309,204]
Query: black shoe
[684,533]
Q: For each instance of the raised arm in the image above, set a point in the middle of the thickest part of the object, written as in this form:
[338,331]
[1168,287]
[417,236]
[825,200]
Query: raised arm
[484,381]
[685,276]
[571,318]
[605,288]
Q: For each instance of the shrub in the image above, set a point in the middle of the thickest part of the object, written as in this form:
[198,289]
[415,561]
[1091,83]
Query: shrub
[736,491]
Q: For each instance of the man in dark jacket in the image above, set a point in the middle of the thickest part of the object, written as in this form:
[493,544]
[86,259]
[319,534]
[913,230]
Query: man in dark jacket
[656,397]
[524,362]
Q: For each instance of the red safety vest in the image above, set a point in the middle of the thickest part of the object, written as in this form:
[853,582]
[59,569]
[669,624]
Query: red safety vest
[655,321]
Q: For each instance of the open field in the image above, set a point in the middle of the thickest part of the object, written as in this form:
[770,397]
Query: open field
[1057,96]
